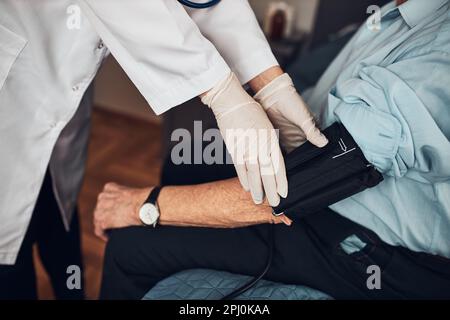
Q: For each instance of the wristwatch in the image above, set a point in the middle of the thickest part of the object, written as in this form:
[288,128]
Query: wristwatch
[149,212]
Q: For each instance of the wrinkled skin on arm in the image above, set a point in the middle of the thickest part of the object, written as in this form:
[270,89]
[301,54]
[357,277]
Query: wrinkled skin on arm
[222,204]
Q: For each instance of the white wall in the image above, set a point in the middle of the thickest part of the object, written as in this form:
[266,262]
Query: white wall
[305,11]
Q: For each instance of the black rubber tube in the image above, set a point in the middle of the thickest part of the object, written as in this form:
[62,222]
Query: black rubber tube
[270,245]
[197,5]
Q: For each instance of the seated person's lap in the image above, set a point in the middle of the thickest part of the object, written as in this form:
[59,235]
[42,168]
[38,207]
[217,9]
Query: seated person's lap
[307,253]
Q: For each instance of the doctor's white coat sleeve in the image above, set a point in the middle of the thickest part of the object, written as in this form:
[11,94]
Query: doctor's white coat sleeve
[159,47]
[232,27]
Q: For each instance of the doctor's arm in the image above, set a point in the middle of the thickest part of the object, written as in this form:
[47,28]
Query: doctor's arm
[234,30]
[159,47]
[232,27]
[221,204]
[170,62]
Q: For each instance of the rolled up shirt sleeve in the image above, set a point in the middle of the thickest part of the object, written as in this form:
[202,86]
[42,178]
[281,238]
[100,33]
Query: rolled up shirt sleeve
[391,113]
[159,47]
[233,28]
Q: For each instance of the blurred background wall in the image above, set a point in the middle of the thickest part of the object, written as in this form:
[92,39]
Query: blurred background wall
[304,12]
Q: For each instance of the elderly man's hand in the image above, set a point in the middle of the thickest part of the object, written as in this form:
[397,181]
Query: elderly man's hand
[118,207]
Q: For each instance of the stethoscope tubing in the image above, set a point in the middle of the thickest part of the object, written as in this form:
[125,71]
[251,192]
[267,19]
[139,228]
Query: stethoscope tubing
[196,5]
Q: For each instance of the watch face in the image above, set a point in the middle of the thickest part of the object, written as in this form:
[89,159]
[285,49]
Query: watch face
[149,214]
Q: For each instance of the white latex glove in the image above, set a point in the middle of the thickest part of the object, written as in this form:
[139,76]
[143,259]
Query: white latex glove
[251,140]
[290,114]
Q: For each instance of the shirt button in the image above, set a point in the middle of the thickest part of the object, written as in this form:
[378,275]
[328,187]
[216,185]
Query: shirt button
[54,125]
[100,45]
[75,88]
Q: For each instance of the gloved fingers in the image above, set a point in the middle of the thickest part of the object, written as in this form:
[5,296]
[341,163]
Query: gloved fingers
[291,136]
[279,171]
[241,171]
[254,181]
[313,133]
[269,181]
[304,119]
[276,164]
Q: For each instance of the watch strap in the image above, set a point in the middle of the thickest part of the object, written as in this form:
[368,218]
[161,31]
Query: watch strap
[153,196]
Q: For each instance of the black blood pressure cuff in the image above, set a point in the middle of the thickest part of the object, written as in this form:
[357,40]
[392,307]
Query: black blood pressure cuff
[320,177]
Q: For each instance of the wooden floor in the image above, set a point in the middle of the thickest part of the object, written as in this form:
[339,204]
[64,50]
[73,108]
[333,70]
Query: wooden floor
[122,149]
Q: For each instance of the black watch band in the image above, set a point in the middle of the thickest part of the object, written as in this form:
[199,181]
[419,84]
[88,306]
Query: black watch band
[153,196]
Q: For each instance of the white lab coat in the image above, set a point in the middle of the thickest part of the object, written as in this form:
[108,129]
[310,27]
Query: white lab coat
[170,53]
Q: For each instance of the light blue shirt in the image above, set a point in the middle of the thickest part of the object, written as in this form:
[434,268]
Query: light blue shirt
[391,89]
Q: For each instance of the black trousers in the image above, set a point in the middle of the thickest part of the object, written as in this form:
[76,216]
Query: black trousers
[307,253]
[57,248]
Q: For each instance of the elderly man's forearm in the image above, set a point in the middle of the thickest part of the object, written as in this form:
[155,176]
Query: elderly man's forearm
[221,204]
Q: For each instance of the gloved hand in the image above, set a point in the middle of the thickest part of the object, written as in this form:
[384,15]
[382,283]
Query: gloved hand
[289,113]
[250,139]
